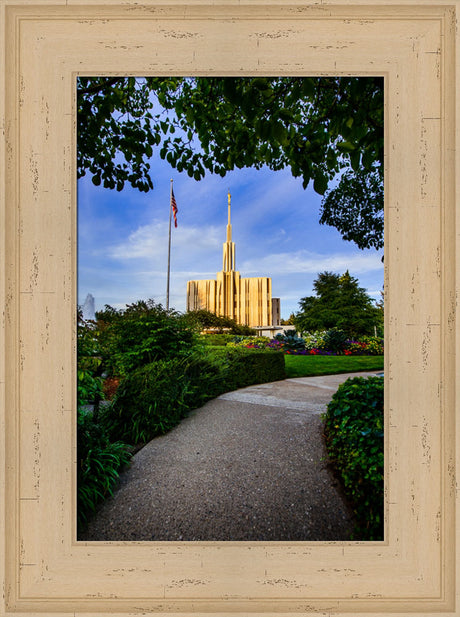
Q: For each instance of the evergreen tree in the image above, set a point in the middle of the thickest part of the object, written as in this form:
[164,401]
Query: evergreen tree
[339,303]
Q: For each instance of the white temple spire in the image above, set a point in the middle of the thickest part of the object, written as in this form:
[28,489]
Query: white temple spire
[229,246]
[229,225]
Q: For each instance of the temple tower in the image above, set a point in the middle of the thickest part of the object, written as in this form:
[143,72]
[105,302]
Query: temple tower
[229,246]
[246,300]
[228,281]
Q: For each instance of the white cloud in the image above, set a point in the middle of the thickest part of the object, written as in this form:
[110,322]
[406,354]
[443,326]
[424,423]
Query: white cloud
[302,261]
[151,242]
[123,244]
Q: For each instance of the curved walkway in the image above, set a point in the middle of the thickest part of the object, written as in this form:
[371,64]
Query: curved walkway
[249,465]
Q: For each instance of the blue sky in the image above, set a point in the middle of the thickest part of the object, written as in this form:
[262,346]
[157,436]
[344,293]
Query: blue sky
[123,237]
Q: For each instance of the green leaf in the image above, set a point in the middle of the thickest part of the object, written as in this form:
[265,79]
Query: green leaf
[279,133]
[308,87]
[355,160]
[230,90]
[346,146]
[320,184]
[368,159]
[261,83]
[189,115]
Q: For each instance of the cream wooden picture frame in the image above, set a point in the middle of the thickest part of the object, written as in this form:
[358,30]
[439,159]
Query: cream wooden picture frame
[44,46]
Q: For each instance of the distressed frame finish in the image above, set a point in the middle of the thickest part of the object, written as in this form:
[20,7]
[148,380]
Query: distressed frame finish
[44,46]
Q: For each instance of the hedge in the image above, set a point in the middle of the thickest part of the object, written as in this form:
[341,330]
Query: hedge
[244,367]
[216,340]
[354,439]
[154,398]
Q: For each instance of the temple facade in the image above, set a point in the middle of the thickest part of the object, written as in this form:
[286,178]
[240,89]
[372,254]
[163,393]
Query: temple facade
[246,300]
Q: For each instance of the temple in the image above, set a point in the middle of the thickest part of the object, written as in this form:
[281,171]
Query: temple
[246,300]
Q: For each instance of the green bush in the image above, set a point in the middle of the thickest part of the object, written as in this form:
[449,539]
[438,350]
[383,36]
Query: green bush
[260,342]
[204,379]
[354,439]
[206,320]
[99,463]
[244,367]
[335,340]
[140,334]
[216,340]
[89,382]
[149,401]
[152,399]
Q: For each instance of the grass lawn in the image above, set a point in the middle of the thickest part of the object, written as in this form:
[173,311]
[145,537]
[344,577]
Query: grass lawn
[308,366]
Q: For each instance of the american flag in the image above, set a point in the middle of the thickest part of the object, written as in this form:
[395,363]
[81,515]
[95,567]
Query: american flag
[174,207]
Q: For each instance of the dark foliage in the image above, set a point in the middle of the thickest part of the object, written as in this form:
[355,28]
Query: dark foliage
[244,367]
[339,303]
[354,427]
[89,382]
[154,398]
[140,334]
[355,208]
[98,464]
[335,340]
[317,126]
[290,341]
[205,320]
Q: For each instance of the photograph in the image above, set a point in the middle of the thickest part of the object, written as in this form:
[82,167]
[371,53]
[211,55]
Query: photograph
[245,403]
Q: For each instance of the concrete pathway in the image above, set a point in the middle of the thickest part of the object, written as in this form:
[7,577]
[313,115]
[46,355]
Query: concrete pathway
[249,465]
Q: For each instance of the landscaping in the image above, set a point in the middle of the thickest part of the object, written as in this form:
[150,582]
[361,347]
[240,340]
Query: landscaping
[332,342]
[142,369]
[354,438]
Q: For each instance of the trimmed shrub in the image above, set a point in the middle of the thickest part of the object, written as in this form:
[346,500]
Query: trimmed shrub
[354,439]
[204,378]
[244,367]
[251,342]
[99,463]
[154,398]
[216,340]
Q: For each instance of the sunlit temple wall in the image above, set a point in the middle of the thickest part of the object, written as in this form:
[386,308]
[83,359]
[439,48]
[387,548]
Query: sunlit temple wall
[201,295]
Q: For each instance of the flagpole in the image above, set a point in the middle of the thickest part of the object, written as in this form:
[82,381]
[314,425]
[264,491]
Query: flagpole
[169,248]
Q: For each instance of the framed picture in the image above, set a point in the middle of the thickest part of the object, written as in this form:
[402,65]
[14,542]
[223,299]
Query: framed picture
[44,47]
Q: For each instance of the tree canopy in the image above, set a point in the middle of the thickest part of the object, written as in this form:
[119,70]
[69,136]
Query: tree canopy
[323,129]
[339,303]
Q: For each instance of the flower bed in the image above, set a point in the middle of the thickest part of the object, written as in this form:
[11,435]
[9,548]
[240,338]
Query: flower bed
[366,346]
